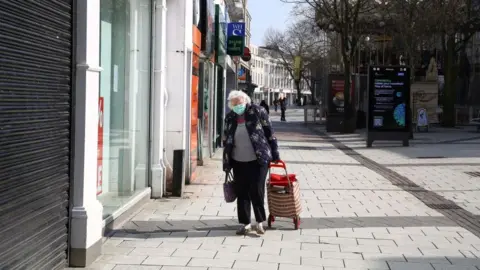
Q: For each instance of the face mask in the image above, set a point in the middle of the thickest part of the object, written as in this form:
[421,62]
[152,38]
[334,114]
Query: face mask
[239,109]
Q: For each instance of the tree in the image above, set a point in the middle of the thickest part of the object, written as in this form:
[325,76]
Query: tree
[455,22]
[350,20]
[298,40]
[409,19]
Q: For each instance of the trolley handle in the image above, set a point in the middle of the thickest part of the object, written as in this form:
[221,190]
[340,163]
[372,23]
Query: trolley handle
[280,164]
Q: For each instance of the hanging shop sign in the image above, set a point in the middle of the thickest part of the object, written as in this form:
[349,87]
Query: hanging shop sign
[235,39]
[220,35]
[247,56]
[297,68]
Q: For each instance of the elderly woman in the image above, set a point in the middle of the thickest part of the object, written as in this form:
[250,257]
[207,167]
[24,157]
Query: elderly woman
[249,147]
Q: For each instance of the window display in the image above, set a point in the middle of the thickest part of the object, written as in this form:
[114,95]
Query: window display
[124,101]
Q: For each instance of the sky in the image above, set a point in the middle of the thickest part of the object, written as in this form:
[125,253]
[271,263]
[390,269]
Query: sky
[266,14]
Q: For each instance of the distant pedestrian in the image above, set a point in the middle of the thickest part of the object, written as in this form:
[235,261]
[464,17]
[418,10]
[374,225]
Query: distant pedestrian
[283,107]
[265,105]
[275,103]
[248,151]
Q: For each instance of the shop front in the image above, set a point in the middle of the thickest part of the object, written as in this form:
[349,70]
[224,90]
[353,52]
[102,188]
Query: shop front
[207,85]
[36,91]
[78,149]
[195,140]
[123,103]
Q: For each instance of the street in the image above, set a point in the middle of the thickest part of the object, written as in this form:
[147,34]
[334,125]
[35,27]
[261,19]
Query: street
[386,207]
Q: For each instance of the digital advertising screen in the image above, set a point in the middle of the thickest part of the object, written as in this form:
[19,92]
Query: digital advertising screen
[389,99]
[336,102]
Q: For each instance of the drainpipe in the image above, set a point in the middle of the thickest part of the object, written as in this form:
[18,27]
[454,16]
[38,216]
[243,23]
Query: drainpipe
[160,164]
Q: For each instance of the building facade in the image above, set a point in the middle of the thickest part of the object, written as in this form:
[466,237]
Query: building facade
[97,95]
[273,78]
[238,12]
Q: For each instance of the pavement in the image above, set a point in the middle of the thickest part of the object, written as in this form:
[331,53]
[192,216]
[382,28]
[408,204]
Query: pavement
[386,207]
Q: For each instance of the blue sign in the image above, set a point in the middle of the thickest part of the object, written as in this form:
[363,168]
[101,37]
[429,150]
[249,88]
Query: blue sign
[241,72]
[236,29]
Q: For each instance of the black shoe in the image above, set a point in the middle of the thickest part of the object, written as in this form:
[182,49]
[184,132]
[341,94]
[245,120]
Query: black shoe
[243,230]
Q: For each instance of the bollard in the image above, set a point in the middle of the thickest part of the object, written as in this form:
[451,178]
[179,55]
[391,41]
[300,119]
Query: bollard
[178,173]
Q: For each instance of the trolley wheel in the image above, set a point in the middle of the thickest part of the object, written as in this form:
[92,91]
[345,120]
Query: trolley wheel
[271,219]
[296,222]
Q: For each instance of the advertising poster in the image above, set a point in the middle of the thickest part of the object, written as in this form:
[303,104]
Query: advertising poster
[101,106]
[389,99]
[424,95]
[242,75]
[336,94]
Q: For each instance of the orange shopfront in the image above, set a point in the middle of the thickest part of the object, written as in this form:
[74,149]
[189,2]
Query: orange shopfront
[197,40]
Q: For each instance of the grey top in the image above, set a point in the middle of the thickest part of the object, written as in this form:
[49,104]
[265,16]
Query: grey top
[243,150]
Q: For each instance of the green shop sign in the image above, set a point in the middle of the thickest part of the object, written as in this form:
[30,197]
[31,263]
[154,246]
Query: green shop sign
[235,45]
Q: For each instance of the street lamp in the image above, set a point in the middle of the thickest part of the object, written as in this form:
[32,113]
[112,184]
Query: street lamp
[382,24]
[383,4]
[367,41]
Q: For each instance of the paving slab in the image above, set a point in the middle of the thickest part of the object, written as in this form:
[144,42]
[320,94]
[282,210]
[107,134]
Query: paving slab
[353,216]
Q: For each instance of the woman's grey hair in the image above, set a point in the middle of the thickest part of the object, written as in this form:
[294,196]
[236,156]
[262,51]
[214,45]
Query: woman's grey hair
[234,94]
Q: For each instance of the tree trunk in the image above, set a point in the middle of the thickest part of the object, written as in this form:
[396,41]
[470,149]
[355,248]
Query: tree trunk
[299,93]
[449,96]
[339,54]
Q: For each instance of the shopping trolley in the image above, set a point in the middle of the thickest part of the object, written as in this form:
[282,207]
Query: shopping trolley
[283,195]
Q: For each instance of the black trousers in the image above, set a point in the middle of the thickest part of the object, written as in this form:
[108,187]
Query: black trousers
[249,178]
[282,118]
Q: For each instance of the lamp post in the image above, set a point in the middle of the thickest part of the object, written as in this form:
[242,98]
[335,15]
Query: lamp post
[383,4]
[367,39]
[382,24]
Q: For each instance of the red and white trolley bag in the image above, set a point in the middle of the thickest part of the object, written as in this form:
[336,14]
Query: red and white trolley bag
[283,193]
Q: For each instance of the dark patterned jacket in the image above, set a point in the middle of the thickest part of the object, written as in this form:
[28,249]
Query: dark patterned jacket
[261,134]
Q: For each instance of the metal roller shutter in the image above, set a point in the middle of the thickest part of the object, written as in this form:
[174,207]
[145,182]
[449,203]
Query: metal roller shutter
[35,112]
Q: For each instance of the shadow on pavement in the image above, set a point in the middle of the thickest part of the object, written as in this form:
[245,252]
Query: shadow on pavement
[191,226]
[320,163]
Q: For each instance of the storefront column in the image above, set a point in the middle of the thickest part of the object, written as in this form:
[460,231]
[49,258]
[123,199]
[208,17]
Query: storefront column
[179,76]
[86,211]
[158,103]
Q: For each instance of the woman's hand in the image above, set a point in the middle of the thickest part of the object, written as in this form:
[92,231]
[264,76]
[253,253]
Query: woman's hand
[226,168]
[275,156]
